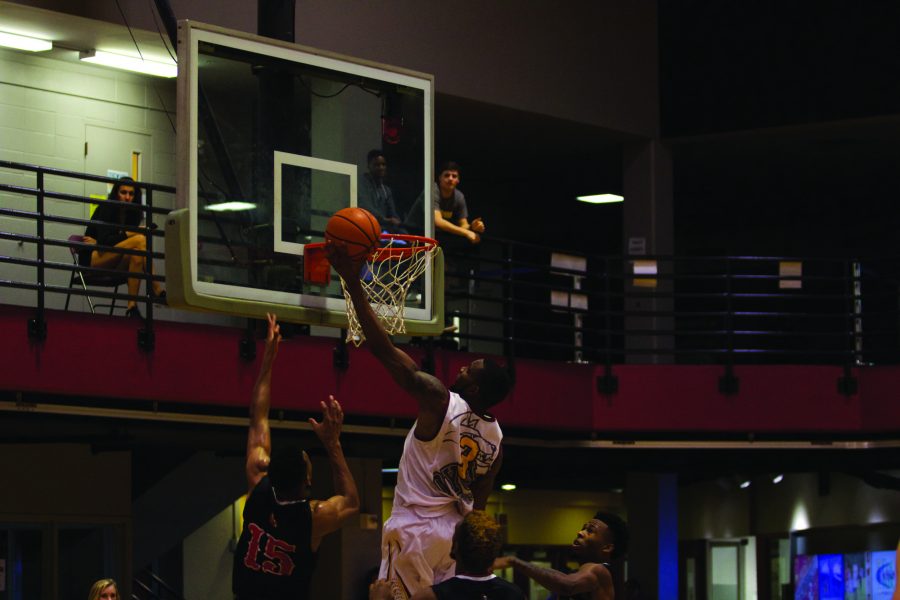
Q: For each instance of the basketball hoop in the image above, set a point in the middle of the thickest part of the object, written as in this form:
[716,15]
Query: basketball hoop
[385,277]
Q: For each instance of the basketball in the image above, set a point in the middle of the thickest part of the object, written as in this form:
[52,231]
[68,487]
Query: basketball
[357,228]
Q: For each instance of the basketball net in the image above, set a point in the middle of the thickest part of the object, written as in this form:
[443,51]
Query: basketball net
[386,278]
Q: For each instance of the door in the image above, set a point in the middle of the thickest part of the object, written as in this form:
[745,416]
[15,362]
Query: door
[114,153]
[725,579]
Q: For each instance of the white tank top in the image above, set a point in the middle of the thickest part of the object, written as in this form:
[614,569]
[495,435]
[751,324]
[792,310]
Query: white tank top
[435,476]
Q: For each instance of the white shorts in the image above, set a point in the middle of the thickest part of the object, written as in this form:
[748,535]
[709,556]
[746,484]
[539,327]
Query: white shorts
[415,550]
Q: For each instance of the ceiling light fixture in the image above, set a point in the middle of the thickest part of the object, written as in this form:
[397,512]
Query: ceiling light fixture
[24,42]
[745,484]
[231,206]
[390,470]
[130,63]
[778,478]
[601,198]
[508,487]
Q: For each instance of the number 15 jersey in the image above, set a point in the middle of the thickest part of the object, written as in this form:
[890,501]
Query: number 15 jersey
[273,558]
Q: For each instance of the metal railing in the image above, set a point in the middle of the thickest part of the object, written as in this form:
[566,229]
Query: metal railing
[526,300]
[41,194]
[147,585]
[695,309]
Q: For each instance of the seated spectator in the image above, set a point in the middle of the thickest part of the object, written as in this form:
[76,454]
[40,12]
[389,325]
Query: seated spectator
[376,197]
[451,216]
[104,589]
[476,544]
[124,217]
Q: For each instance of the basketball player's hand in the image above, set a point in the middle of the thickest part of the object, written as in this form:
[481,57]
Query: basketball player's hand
[88,240]
[472,236]
[380,590]
[329,430]
[502,562]
[273,336]
[477,225]
[347,268]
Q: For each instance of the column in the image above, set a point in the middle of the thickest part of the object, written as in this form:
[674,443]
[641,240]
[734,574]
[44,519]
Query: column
[651,500]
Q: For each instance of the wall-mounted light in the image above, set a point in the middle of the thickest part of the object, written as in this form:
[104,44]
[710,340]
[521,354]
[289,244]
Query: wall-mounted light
[778,478]
[24,42]
[130,63]
[508,487]
[600,198]
[231,206]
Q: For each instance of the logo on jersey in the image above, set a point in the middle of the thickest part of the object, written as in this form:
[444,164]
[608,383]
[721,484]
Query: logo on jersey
[476,454]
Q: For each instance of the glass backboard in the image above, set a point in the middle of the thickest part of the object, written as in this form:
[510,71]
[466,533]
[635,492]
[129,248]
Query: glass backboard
[273,139]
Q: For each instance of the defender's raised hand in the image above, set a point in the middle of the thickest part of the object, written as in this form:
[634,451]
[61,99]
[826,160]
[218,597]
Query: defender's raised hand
[329,430]
[273,336]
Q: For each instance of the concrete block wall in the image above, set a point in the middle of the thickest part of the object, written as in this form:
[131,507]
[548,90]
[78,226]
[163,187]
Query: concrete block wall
[46,106]
[50,106]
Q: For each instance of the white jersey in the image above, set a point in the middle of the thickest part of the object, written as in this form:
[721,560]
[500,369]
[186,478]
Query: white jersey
[436,476]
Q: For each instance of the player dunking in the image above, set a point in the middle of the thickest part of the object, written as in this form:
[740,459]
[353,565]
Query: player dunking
[276,552]
[450,457]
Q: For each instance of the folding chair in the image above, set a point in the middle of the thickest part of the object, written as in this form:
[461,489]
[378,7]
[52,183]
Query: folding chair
[111,279]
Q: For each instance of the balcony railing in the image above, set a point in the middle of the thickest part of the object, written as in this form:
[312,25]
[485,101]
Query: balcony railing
[526,300]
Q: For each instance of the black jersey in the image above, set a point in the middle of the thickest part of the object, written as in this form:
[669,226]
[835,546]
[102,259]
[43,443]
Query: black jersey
[495,588]
[273,559]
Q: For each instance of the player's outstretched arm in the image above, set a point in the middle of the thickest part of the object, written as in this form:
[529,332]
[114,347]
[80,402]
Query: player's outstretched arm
[329,515]
[428,390]
[259,441]
[589,578]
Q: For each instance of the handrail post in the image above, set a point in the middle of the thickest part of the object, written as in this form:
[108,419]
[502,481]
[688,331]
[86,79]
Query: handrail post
[728,382]
[847,384]
[857,313]
[37,327]
[608,384]
[146,334]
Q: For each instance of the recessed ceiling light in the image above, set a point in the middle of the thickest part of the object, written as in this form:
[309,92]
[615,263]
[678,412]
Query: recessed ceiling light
[130,63]
[231,206]
[24,42]
[601,198]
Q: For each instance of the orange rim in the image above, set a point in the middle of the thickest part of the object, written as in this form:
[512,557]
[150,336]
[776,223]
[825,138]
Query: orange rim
[415,243]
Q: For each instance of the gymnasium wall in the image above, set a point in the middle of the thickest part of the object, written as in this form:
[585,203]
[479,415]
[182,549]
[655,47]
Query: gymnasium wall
[199,365]
[719,509]
[49,111]
[562,60]
[64,482]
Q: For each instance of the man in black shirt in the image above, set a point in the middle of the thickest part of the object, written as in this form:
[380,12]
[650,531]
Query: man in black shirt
[276,553]
[602,540]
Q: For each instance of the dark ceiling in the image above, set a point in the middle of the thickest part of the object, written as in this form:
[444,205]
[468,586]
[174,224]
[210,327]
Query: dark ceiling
[784,125]
[521,172]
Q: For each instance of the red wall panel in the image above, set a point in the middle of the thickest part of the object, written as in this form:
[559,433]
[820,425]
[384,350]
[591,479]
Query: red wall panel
[98,356]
